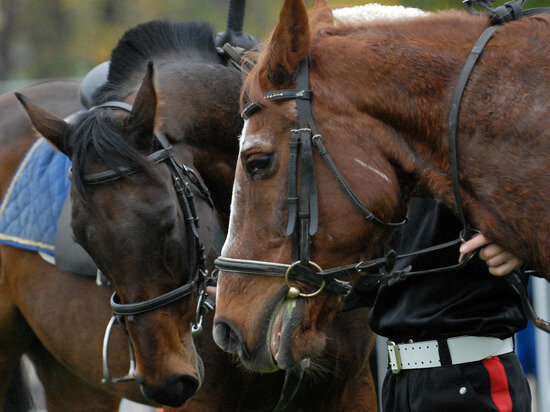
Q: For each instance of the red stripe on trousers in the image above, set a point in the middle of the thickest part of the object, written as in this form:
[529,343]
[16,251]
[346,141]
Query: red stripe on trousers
[499,384]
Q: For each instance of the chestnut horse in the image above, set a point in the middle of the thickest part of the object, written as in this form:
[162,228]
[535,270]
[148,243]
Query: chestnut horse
[135,231]
[380,99]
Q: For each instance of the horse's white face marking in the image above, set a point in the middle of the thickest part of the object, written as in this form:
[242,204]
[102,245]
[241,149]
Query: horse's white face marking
[261,139]
[378,172]
[243,134]
[375,12]
[229,240]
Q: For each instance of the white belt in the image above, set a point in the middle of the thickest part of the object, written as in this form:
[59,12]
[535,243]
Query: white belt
[430,354]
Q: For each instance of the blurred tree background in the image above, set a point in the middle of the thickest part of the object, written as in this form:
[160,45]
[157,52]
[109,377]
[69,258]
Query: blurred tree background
[66,38]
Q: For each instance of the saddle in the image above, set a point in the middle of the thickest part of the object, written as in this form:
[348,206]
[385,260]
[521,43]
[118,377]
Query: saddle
[69,255]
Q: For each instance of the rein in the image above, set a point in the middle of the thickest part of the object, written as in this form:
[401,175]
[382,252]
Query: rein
[301,232]
[182,178]
[511,11]
[302,223]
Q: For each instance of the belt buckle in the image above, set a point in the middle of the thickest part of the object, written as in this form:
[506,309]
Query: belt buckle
[393,349]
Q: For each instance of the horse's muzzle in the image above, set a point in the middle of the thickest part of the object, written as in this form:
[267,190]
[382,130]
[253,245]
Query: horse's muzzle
[174,393]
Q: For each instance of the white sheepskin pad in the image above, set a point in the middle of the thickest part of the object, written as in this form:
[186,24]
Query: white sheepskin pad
[375,12]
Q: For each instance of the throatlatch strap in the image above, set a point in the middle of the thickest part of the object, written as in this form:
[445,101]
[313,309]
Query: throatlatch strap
[367,214]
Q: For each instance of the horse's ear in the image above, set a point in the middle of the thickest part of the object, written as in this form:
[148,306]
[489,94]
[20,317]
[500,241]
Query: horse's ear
[48,125]
[322,13]
[289,44]
[141,121]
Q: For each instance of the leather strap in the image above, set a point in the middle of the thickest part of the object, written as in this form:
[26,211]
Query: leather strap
[367,214]
[284,95]
[145,306]
[293,182]
[510,11]
[300,273]
[454,112]
[109,176]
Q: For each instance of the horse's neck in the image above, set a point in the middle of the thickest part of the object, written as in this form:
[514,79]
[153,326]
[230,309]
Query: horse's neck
[201,108]
[406,83]
[403,74]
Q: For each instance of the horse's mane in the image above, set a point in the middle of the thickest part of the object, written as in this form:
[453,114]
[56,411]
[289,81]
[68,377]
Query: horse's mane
[160,41]
[96,134]
[353,21]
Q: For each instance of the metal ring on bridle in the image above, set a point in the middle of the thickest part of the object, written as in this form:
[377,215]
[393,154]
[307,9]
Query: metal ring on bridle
[304,295]
[196,328]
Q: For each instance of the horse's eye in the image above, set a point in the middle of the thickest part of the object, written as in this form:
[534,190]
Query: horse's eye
[259,163]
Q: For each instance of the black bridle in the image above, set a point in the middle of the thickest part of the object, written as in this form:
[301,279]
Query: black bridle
[182,178]
[303,212]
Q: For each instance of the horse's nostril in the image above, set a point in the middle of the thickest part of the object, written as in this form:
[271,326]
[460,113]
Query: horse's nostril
[227,337]
[174,393]
[186,386]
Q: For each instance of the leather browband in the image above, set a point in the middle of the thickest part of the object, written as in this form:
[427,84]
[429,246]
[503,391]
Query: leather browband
[284,95]
[109,176]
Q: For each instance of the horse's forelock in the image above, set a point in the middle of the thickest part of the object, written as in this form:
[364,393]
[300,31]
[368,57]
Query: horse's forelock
[96,137]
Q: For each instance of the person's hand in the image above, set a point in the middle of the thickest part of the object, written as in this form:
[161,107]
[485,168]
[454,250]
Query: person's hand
[500,262]
[211,290]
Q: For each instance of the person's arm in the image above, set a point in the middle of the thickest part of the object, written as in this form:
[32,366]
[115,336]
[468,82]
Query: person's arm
[500,261]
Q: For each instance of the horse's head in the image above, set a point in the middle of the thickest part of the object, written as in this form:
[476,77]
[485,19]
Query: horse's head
[259,317]
[129,216]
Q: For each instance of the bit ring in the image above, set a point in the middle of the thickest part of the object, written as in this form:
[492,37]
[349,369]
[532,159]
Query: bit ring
[305,295]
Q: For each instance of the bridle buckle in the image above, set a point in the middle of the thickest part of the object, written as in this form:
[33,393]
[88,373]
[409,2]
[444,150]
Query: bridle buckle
[394,357]
[293,291]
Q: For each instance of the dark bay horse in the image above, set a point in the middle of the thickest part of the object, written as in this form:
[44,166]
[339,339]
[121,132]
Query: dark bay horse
[135,231]
[381,95]
[45,312]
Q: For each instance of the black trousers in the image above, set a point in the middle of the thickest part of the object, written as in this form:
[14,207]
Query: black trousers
[494,384]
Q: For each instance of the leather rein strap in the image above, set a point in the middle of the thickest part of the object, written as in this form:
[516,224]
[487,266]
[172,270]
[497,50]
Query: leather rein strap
[509,12]
[305,133]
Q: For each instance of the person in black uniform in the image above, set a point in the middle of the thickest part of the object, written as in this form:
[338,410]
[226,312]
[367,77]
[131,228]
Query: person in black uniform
[450,335]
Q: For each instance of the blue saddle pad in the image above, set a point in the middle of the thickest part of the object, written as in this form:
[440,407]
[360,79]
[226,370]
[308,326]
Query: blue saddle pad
[31,206]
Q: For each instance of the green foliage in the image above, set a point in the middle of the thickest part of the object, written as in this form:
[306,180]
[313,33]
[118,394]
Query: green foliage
[65,38]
